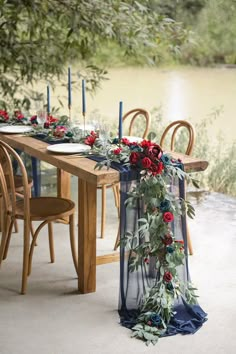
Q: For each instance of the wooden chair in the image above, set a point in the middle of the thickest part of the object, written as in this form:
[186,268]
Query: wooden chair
[175,127]
[132,114]
[44,209]
[18,187]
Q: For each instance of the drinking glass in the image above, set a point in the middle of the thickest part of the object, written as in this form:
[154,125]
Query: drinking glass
[104,135]
[76,130]
[41,117]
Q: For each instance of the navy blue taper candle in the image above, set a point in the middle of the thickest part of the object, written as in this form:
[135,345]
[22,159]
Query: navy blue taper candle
[83,97]
[69,88]
[120,119]
[48,99]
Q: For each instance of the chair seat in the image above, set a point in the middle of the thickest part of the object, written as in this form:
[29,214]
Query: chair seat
[46,208]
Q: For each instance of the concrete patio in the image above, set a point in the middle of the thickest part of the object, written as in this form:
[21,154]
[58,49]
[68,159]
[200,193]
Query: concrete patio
[53,319]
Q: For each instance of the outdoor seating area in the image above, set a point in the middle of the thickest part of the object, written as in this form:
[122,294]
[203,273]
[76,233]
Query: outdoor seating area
[117,177]
[96,262]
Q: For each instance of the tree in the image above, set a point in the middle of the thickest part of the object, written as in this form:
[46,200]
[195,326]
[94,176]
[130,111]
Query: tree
[39,37]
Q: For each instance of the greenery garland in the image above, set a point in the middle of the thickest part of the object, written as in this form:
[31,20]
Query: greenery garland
[158,242]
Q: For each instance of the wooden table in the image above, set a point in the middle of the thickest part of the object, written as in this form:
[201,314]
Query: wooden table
[88,180]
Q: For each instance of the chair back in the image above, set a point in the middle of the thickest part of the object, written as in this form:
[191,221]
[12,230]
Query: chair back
[7,183]
[176,126]
[133,114]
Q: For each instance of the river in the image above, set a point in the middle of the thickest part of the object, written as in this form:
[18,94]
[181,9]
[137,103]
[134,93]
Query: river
[183,93]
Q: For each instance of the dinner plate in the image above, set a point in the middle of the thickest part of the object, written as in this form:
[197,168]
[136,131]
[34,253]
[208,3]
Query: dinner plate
[15,129]
[68,148]
[133,139]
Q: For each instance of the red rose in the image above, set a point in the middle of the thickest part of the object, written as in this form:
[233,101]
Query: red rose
[146,260]
[90,140]
[134,157]
[59,131]
[117,151]
[146,162]
[157,169]
[46,125]
[125,141]
[4,115]
[168,216]
[33,118]
[167,277]
[155,151]
[18,115]
[160,168]
[51,119]
[167,240]
[146,144]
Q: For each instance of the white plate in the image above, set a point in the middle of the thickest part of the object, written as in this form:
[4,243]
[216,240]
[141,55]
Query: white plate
[15,129]
[133,139]
[68,148]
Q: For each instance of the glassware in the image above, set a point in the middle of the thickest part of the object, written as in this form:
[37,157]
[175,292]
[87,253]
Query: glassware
[76,130]
[41,117]
[104,135]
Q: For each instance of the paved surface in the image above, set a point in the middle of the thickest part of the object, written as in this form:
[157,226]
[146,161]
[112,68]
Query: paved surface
[53,319]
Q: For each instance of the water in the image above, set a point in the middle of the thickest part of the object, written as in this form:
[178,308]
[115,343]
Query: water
[183,93]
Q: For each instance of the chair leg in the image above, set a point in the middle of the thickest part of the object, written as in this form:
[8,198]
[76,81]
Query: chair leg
[118,211]
[25,257]
[8,239]
[72,242]
[33,243]
[115,189]
[5,233]
[16,226]
[190,247]
[103,213]
[51,242]
[1,214]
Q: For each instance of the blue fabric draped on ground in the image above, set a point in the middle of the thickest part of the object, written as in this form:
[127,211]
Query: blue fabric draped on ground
[187,318]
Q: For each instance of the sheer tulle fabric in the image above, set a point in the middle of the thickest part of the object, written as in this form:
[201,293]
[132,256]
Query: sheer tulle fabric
[133,285]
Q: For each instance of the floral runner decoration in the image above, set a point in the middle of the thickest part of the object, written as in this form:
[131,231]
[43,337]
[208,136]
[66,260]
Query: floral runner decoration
[49,129]
[157,297]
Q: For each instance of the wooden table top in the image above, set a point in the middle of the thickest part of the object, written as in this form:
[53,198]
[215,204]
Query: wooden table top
[83,167]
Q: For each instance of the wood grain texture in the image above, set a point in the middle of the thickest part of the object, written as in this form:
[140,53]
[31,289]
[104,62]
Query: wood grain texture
[108,258]
[63,184]
[87,216]
[80,167]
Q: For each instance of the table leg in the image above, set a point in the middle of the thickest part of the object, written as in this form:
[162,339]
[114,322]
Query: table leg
[63,184]
[63,188]
[87,219]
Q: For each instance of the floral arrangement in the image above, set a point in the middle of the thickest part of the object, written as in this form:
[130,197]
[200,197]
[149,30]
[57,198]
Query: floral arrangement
[158,241]
[4,116]
[16,118]
[52,129]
